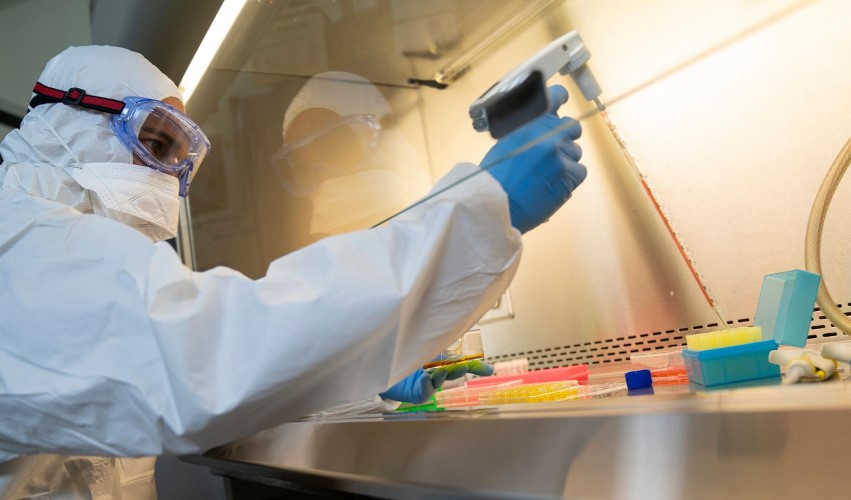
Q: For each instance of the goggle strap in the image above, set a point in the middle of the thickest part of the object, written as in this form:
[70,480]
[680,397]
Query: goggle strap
[74,97]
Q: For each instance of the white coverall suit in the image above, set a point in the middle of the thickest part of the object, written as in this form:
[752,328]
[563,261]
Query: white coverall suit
[110,346]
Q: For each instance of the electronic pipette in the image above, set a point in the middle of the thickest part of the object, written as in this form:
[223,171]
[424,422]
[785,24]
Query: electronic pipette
[521,96]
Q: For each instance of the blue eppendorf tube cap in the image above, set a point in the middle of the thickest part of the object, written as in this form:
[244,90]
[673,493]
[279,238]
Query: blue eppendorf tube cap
[638,379]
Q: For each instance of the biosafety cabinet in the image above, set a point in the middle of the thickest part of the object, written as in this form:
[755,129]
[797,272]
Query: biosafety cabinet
[333,116]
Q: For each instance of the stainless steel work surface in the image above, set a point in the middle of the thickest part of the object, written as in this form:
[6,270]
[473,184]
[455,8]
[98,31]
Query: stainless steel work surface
[771,441]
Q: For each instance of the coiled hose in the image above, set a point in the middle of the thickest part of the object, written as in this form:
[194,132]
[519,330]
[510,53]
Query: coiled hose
[812,246]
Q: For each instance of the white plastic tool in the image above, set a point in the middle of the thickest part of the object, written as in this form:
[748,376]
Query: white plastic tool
[802,364]
[517,97]
[840,351]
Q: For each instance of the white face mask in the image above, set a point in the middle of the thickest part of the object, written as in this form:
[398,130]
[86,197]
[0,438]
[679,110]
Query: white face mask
[135,195]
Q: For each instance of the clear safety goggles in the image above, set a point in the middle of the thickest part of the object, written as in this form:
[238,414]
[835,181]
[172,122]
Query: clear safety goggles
[334,150]
[161,136]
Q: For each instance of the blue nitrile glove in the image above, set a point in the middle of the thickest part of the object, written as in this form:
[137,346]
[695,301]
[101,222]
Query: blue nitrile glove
[540,180]
[419,386]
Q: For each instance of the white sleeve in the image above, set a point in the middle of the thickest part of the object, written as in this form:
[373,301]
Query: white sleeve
[114,347]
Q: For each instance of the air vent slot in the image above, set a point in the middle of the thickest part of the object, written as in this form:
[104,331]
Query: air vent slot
[617,350]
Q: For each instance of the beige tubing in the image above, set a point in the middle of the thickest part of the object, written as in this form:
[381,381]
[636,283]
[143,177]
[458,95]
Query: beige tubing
[812,245]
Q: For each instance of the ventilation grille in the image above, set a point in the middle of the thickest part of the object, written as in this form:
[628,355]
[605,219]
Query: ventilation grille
[618,350]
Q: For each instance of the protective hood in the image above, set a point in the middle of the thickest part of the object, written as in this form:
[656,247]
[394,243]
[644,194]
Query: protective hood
[40,164]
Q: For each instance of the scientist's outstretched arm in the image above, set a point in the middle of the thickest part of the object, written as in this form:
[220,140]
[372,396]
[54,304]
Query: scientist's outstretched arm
[110,346]
[538,182]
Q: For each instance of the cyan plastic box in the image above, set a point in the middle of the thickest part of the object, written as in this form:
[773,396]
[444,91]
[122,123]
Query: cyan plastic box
[727,365]
[784,314]
[785,308]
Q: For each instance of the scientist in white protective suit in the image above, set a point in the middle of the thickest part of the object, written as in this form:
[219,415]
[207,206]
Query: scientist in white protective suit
[110,347]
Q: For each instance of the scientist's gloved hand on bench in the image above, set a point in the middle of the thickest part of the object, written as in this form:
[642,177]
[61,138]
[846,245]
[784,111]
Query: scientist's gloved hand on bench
[419,386]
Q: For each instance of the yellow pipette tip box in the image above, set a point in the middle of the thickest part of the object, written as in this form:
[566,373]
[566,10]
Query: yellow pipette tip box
[533,393]
[724,338]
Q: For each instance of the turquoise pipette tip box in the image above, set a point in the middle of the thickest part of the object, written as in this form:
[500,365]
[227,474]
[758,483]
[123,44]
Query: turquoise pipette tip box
[784,312]
[727,365]
[785,308]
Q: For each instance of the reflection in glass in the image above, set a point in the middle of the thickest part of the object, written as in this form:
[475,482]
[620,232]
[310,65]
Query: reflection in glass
[336,154]
[316,127]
